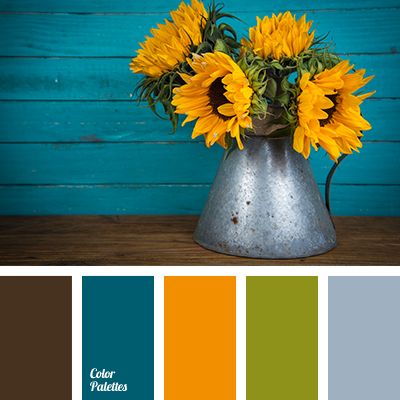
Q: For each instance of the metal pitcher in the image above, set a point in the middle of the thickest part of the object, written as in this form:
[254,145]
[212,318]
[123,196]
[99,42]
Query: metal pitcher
[265,203]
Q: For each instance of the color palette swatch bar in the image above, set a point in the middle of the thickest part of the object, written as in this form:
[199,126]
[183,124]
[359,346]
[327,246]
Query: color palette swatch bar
[364,338]
[282,338]
[36,338]
[118,338]
[200,338]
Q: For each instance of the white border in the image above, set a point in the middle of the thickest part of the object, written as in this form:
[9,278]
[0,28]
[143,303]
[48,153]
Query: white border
[159,337]
[323,342]
[77,336]
[240,337]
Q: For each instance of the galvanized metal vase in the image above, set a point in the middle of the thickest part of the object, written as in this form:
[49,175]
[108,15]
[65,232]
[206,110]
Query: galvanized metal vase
[265,203]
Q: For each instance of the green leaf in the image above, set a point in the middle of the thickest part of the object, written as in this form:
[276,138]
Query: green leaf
[220,45]
[275,64]
[271,88]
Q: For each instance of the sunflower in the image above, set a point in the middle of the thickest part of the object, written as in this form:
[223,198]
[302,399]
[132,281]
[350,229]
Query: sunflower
[218,96]
[280,36]
[329,111]
[171,42]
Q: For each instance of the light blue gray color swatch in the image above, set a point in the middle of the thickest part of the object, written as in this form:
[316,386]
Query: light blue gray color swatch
[364,338]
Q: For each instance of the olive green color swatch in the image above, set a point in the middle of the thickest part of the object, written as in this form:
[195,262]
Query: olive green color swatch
[282,338]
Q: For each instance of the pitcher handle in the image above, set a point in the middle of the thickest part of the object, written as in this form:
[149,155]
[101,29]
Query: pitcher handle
[329,179]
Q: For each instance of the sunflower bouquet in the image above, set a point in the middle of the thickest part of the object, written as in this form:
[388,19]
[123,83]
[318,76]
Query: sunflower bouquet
[280,81]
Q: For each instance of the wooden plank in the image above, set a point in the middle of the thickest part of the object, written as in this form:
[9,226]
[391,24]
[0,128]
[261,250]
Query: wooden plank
[109,199]
[148,163]
[70,79]
[107,163]
[167,5]
[76,121]
[100,240]
[119,35]
[110,78]
[85,122]
[379,200]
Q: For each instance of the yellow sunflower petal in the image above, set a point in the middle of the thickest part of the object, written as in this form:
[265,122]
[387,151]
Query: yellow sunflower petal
[329,112]
[227,110]
[171,42]
[280,36]
[218,96]
[298,139]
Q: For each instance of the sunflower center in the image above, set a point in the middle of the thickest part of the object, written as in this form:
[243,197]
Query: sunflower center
[217,97]
[329,111]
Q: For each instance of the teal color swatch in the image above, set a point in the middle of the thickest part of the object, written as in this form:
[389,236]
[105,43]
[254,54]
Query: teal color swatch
[118,338]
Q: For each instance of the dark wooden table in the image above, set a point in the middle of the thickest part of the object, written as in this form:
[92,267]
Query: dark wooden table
[167,240]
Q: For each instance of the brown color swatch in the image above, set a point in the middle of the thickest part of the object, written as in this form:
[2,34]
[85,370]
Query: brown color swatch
[36,338]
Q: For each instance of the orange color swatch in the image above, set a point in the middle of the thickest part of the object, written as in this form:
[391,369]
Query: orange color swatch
[200,338]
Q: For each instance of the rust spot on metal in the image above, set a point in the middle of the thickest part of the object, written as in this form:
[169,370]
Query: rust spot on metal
[90,138]
[235,220]
[222,246]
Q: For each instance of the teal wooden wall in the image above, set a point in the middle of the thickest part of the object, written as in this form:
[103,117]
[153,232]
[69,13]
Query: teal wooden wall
[73,141]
